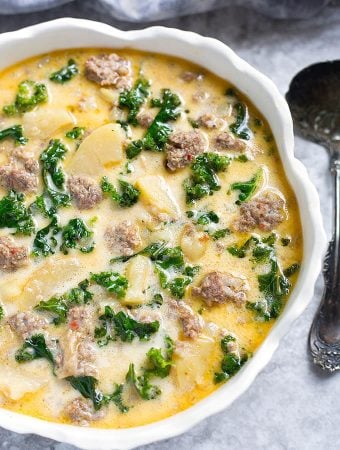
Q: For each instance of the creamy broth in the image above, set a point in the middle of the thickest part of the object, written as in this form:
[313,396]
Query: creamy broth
[203,300]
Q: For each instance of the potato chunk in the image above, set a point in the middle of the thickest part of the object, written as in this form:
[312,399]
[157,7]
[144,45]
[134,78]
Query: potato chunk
[44,122]
[14,384]
[102,149]
[138,273]
[193,243]
[157,196]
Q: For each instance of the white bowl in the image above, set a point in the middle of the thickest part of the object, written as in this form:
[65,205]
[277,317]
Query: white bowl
[220,59]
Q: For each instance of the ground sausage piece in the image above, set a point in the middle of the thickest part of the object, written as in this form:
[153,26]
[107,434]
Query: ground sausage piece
[182,148]
[81,318]
[218,287]
[123,238]
[77,355]
[81,411]
[12,256]
[25,324]
[144,119]
[109,70]
[192,323]
[264,212]
[210,121]
[226,141]
[85,191]
[12,177]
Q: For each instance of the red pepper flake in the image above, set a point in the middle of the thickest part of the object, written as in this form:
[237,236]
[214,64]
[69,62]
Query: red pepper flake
[74,325]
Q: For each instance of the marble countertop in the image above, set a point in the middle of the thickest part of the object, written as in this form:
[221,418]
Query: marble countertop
[291,405]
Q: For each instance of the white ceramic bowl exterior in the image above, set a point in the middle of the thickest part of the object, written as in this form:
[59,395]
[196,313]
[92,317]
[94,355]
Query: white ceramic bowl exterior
[220,59]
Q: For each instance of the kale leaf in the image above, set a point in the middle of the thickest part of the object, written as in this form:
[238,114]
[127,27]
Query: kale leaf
[128,196]
[2,312]
[247,188]
[45,242]
[240,126]
[157,134]
[33,348]
[59,306]
[158,364]
[142,384]
[232,360]
[75,133]
[14,214]
[293,268]
[204,180]
[65,73]
[113,282]
[50,158]
[117,398]
[124,327]
[87,386]
[15,132]
[134,98]
[76,235]
[28,96]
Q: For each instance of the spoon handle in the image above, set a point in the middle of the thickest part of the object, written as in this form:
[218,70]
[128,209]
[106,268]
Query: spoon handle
[324,339]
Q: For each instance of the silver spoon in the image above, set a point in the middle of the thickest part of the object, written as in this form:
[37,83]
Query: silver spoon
[314,100]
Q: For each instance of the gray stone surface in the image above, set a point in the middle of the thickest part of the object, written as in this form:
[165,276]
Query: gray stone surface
[291,404]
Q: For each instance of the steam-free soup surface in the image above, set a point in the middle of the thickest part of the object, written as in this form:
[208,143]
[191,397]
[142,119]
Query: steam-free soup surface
[148,236]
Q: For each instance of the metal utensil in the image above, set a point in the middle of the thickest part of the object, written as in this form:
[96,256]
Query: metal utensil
[314,100]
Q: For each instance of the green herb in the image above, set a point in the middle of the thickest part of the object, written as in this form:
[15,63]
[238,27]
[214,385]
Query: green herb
[258,122]
[142,384]
[157,301]
[128,196]
[124,327]
[240,251]
[14,132]
[65,73]
[204,180]
[117,398]
[50,158]
[113,282]
[76,235]
[194,123]
[75,133]
[274,285]
[45,242]
[240,126]
[14,214]
[157,134]
[59,306]
[2,312]
[33,348]
[291,270]
[58,198]
[87,386]
[134,98]
[248,188]
[158,364]
[207,218]
[232,361]
[28,96]
[285,241]
[219,234]
[241,158]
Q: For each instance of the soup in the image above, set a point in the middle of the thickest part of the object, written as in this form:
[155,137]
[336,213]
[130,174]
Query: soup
[148,236]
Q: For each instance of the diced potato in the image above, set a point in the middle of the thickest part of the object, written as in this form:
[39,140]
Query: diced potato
[157,196]
[102,149]
[14,384]
[110,95]
[193,243]
[41,283]
[44,122]
[138,273]
[191,362]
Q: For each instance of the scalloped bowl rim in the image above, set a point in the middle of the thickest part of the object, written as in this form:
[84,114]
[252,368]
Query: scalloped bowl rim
[220,59]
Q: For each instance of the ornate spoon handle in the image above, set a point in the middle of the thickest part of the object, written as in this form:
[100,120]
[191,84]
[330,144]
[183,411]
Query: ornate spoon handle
[324,336]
